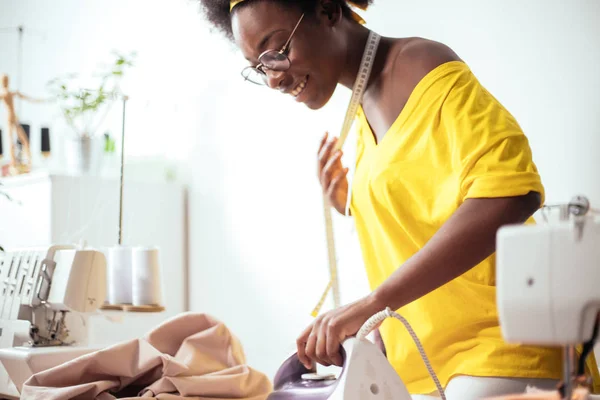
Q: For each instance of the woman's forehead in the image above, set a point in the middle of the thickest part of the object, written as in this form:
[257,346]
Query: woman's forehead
[254,24]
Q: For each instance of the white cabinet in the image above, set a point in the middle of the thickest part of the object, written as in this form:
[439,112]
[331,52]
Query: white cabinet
[54,209]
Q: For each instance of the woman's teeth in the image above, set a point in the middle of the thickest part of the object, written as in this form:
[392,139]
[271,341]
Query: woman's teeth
[300,88]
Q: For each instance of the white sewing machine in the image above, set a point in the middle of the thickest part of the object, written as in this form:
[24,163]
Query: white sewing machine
[548,282]
[45,294]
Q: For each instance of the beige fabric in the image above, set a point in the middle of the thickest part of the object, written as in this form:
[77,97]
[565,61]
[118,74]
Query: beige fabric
[191,356]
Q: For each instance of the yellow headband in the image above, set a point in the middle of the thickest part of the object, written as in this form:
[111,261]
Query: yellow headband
[355,16]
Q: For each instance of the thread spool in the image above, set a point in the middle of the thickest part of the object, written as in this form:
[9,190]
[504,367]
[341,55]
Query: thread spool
[146,277]
[119,274]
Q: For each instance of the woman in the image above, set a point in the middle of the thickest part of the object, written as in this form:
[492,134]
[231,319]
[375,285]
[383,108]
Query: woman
[441,166]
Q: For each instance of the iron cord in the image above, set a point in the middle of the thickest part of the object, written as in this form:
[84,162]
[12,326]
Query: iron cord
[376,319]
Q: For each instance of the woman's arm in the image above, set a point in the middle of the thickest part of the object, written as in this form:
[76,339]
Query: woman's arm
[466,239]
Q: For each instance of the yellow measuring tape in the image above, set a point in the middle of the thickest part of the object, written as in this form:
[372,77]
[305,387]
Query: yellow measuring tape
[319,305]
[357,92]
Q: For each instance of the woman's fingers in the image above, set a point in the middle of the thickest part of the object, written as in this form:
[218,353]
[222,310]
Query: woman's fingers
[321,347]
[332,174]
[313,341]
[336,182]
[333,343]
[301,343]
[333,165]
[325,153]
[323,141]
[311,346]
[323,343]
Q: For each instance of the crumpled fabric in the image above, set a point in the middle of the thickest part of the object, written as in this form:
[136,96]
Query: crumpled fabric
[190,356]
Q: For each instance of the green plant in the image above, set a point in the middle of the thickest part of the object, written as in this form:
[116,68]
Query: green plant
[109,143]
[81,106]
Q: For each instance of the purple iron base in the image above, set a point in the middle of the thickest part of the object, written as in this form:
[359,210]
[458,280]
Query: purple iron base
[289,385]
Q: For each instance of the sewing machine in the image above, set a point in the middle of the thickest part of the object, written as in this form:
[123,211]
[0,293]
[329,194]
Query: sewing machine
[548,280]
[45,295]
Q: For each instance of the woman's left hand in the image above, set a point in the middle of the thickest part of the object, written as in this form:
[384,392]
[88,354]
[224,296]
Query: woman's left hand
[321,341]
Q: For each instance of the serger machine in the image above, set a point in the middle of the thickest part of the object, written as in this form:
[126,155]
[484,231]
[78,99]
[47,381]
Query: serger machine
[45,295]
[548,282]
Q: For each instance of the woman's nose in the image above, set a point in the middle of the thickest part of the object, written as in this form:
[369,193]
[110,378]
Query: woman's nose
[275,78]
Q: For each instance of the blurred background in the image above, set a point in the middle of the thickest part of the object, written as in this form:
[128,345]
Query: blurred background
[221,174]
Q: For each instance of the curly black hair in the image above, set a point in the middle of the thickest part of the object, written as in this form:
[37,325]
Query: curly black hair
[217,11]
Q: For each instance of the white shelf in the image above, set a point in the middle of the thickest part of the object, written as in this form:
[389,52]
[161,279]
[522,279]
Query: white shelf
[58,209]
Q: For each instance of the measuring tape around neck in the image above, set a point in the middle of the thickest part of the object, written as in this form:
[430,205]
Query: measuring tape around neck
[358,90]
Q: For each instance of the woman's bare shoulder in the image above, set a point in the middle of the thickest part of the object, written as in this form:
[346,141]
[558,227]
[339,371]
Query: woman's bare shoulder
[413,58]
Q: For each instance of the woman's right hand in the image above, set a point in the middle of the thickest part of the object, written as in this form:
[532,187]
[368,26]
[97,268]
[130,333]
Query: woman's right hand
[332,174]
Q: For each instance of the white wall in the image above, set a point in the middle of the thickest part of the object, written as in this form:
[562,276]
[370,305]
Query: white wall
[258,257]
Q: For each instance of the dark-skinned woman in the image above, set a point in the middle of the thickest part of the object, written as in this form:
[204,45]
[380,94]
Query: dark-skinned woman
[441,165]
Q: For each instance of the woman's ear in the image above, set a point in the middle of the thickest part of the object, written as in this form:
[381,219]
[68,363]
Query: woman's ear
[331,11]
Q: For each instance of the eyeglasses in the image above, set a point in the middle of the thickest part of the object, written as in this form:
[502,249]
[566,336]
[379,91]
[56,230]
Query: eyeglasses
[274,60]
